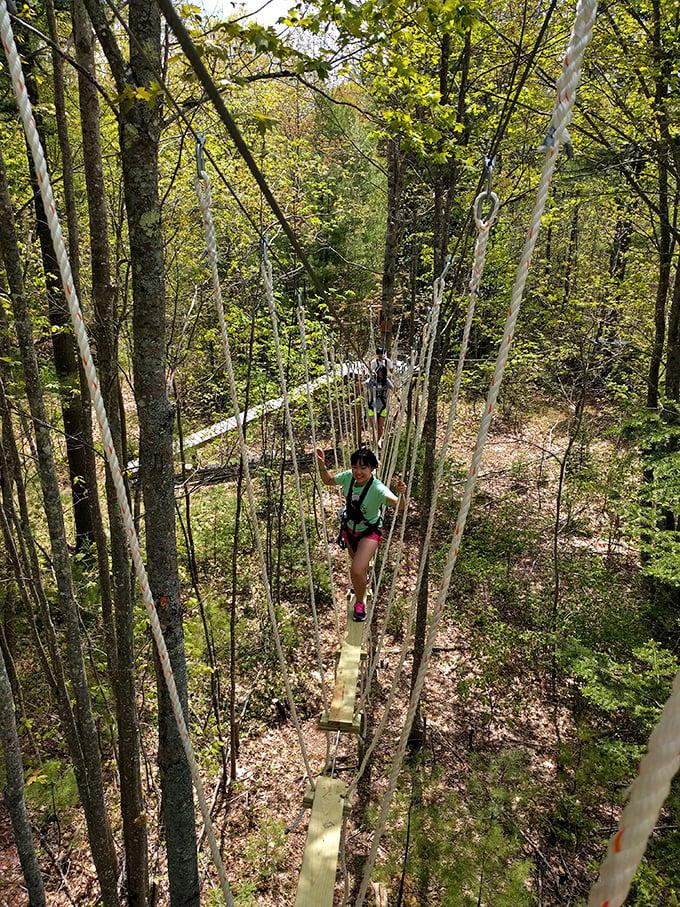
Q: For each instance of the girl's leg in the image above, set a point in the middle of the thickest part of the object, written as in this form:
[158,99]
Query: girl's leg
[359,568]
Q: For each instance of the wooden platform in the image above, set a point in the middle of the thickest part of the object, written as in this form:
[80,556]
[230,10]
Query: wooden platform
[319,865]
[340,716]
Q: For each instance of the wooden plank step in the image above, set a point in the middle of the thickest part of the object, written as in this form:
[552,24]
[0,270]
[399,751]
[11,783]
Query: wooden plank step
[340,715]
[308,799]
[316,884]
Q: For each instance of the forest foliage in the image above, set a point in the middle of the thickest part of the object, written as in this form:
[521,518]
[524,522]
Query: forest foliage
[376,126]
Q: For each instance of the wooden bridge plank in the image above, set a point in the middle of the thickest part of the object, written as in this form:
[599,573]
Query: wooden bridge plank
[320,861]
[340,715]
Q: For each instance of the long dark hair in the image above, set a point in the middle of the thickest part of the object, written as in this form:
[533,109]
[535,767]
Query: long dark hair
[364,456]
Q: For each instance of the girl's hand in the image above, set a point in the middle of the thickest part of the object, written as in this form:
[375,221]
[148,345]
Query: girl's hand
[400,486]
[320,457]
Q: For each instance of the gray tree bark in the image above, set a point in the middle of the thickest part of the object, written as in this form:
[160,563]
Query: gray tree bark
[121,646]
[14,793]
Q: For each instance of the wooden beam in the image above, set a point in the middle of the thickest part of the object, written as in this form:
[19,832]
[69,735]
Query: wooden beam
[308,801]
[340,716]
[316,885]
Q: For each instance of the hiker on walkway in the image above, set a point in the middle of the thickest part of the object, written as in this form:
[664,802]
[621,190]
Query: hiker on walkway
[380,361]
[361,525]
[379,387]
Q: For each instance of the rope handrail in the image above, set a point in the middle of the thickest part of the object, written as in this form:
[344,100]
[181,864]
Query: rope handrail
[77,321]
[324,524]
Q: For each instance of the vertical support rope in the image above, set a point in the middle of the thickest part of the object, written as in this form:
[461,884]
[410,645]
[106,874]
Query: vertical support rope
[77,321]
[266,269]
[324,526]
[429,334]
[561,116]
[203,193]
[327,366]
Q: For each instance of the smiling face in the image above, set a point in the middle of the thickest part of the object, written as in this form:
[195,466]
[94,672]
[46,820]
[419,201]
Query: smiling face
[361,473]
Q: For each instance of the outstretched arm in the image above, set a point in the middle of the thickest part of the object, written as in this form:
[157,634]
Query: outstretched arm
[326,477]
[398,501]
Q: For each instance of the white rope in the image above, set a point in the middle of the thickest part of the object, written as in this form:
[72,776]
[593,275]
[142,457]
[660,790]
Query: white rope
[562,112]
[266,269]
[312,420]
[98,403]
[203,193]
[483,228]
[646,796]
[427,346]
[332,388]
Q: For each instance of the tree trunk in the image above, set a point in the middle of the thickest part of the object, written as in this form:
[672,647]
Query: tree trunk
[392,240]
[64,353]
[673,343]
[444,187]
[14,793]
[120,637]
[90,780]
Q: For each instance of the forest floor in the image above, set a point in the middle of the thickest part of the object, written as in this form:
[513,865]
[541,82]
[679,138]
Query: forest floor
[469,719]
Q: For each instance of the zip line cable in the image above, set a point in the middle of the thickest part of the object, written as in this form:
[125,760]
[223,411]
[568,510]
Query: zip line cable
[561,116]
[77,321]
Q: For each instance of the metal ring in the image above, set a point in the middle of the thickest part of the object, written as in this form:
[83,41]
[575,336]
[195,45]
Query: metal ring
[481,223]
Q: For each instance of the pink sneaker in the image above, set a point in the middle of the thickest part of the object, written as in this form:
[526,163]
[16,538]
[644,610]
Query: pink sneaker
[359,611]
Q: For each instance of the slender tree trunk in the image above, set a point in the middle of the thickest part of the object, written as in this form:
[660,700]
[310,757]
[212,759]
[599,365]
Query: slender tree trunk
[139,137]
[392,239]
[121,635]
[91,781]
[673,343]
[63,350]
[14,793]
[664,227]
[444,188]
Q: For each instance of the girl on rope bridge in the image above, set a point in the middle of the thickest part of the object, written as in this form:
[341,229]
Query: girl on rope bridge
[361,525]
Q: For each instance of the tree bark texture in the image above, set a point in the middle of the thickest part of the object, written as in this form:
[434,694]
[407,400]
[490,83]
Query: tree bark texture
[14,793]
[139,137]
[120,636]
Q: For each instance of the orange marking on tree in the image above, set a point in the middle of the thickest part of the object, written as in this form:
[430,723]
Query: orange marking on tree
[617,842]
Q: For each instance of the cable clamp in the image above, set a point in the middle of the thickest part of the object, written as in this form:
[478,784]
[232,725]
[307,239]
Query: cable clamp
[200,157]
[489,164]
